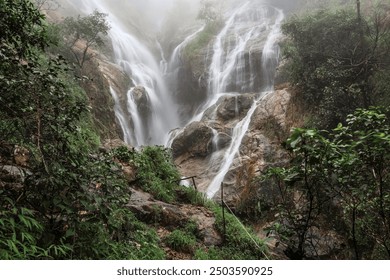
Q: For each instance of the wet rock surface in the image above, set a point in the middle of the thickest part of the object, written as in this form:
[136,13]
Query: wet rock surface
[204,143]
[194,141]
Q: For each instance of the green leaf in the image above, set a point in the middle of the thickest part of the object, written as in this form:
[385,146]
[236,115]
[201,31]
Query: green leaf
[70,232]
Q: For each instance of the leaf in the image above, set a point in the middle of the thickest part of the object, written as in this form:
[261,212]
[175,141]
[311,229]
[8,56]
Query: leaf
[295,142]
[70,232]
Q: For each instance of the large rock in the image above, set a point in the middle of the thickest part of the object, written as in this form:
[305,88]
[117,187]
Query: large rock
[141,100]
[234,106]
[273,106]
[12,179]
[194,141]
[260,147]
[14,154]
[147,209]
[13,174]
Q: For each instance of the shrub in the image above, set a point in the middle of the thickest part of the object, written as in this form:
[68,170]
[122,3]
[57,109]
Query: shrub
[157,173]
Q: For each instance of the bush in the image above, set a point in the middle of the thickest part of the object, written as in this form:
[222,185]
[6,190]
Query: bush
[240,242]
[157,173]
[342,172]
[19,237]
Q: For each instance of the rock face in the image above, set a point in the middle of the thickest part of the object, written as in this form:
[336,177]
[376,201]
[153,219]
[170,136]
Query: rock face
[234,106]
[199,148]
[141,99]
[170,216]
[14,161]
[13,175]
[142,105]
[108,77]
[191,85]
[194,141]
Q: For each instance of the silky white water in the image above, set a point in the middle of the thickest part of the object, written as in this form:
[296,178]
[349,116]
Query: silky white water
[152,126]
[225,63]
[250,29]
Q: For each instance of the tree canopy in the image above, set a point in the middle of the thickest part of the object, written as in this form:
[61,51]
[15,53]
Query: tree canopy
[44,111]
[343,171]
[83,33]
[337,59]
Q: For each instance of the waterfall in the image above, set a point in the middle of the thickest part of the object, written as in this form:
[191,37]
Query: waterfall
[230,65]
[223,67]
[121,116]
[151,120]
[249,35]
[159,115]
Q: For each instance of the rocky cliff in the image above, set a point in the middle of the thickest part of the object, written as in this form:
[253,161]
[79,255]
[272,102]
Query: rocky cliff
[199,147]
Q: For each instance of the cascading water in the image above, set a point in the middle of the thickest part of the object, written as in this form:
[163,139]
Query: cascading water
[233,68]
[224,65]
[159,115]
[151,107]
[174,75]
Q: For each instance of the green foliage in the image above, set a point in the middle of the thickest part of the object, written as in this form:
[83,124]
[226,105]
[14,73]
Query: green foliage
[195,197]
[181,241]
[222,253]
[19,41]
[123,154]
[344,174]
[71,203]
[365,145]
[19,34]
[157,173]
[88,31]
[302,189]
[19,233]
[239,239]
[333,57]
[131,239]
[53,37]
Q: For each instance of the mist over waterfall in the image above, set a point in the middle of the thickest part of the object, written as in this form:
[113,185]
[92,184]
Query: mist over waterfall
[150,103]
[237,65]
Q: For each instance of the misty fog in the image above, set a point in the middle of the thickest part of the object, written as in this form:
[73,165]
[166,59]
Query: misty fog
[163,18]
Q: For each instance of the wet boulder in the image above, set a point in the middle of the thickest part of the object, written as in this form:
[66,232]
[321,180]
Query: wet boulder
[235,106]
[195,140]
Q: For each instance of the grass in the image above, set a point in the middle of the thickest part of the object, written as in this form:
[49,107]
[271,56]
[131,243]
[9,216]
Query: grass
[240,242]
[181,241]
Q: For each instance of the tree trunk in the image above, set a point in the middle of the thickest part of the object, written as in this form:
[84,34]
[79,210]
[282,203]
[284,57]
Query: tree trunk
[365,93]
